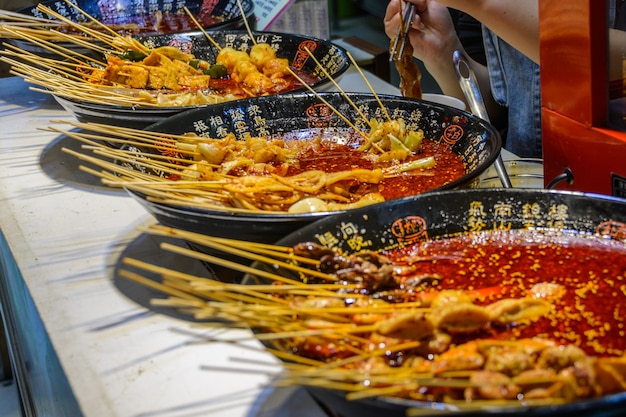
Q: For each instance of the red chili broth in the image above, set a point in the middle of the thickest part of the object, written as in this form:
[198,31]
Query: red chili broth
[496,265]
[332,157]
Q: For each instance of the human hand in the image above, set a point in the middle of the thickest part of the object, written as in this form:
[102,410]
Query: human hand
[432,33]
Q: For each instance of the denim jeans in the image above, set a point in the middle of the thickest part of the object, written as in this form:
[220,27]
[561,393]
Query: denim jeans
[515,84]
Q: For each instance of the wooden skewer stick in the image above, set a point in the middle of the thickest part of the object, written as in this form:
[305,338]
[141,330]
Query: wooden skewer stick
[127,132]
[254,298]
[330,106]
[131,136]
[354,106]
[98,34]
[52,47]
[117,168]
[230,264]
[276,249]
[199,26]
[21,17]
[279,252]
[245,21]
[332,80]
[198,238]
[369,85]
[163,288]
[97,141]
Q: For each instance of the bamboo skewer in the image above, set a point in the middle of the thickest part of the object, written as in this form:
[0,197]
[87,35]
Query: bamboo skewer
[204,32]
[274,251]
[124,135]
[11,16]
[330,106]
[245,21]
[253,306]
[327,75]
[76,25]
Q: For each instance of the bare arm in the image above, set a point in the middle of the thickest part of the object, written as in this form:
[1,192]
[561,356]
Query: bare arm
[515,21]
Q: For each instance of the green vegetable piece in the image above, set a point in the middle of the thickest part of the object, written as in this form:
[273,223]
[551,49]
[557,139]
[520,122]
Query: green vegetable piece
[134,56]
[413,140]
[216,71]
[423,163]
[398,151]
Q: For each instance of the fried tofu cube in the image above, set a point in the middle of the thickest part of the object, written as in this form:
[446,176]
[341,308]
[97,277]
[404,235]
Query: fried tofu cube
[158,77]
[194,82]
[133,76]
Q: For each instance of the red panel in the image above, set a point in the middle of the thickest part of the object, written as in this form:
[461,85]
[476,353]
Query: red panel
[592,154]
[575,89]
[573,58]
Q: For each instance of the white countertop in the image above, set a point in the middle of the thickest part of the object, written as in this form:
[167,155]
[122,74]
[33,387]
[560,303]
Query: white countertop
[66,233]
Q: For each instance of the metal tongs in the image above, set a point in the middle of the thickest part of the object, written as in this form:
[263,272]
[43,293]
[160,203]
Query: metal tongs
[469,85]
[397,49]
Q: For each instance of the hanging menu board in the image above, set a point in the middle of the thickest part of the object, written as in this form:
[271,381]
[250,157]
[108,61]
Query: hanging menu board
[268,11]
[299,17]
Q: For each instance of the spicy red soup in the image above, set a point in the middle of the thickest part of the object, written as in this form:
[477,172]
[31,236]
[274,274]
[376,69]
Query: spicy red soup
[587,277]
[332,157]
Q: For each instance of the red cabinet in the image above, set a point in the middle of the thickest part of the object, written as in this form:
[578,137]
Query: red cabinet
[580,103]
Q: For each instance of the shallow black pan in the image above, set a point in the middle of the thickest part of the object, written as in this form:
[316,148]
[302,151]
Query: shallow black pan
[475,140]
[441,213]
[289,46]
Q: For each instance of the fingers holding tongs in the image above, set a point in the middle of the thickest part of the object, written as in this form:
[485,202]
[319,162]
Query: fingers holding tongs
[399,41]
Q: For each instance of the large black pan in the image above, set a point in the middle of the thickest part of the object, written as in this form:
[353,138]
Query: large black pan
[289,46]
[477,142]
[441,213]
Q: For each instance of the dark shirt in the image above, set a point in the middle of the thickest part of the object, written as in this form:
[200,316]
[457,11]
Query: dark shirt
[470,34]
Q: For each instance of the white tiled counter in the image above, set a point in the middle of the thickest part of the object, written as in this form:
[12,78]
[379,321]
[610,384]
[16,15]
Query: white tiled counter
[80,345]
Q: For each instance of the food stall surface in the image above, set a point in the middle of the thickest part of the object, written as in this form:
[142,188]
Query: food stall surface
[80,346]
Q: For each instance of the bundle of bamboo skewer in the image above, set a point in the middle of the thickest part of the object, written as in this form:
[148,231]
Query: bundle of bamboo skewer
[290,305]
[158,167]
[71,58]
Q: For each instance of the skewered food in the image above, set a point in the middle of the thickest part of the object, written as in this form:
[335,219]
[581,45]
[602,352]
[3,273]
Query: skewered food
[167,70]
[315,170]
[498,318]
[523,315]
[166,76]
[401,51]
[410,74]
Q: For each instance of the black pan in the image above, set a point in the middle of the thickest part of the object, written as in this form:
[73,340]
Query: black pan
[441,213]
[474,139]
[289,46]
